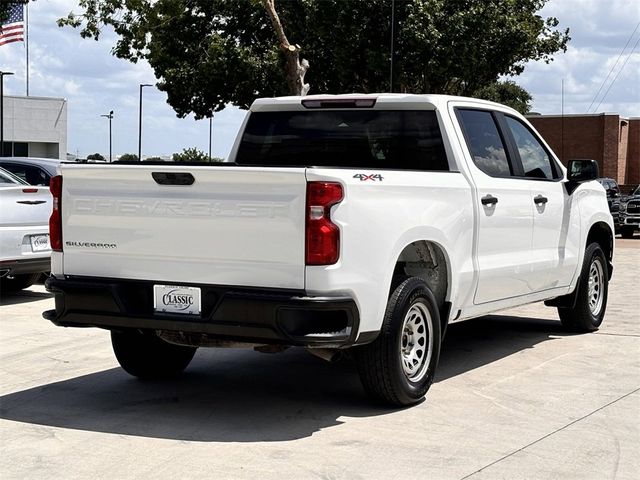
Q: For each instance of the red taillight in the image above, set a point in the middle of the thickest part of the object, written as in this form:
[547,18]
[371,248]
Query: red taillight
[55,221]
[323,236]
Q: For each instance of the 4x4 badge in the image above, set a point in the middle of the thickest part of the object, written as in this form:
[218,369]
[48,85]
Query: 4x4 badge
[373,177]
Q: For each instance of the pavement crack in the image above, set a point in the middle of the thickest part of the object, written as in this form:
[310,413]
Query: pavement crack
[551,433]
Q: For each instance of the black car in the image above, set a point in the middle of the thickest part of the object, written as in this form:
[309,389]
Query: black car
[613,199]
[630,213]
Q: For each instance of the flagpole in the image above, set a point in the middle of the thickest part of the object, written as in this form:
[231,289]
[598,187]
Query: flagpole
[27,45]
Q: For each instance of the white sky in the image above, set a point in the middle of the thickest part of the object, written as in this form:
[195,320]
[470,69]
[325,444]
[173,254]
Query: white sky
[95,82]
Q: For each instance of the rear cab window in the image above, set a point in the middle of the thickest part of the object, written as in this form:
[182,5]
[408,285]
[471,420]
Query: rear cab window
[385,139]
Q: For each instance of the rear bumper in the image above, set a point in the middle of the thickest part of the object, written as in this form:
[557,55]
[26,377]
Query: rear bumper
[228,313]
[25,265]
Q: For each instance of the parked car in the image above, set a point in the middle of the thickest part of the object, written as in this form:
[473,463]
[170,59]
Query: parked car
[25,252]
[613,199]
[34,171]
[630,213]
[365,223]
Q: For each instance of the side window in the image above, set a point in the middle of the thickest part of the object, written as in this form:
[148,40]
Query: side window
[30,174]
[535,159]
[484,142]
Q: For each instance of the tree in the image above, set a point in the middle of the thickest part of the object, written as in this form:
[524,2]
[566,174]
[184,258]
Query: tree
[128,157]
[209,53]
[508,93]
[193,155]
[95,156]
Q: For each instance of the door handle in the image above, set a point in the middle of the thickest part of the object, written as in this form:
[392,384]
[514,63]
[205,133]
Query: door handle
[489,200]
[540,200]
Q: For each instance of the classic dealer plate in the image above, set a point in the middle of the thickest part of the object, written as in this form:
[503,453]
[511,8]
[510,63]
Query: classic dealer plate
[40,243]
[176,299]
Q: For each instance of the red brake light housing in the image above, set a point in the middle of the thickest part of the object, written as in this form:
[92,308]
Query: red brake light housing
[55,221]
[322,235]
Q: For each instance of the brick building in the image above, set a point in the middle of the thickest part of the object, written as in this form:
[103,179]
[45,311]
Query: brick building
[611,140]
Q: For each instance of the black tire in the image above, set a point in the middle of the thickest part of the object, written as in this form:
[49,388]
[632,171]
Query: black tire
[146,356]
[18,282]
[627,232]
[586,315]
[382,365]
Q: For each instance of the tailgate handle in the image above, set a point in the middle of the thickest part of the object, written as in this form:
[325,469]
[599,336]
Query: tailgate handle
[173,178]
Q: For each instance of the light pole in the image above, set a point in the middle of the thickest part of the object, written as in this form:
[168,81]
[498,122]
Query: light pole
[142,85]
[2,74]
[210,135]
[393,23]
[110,117]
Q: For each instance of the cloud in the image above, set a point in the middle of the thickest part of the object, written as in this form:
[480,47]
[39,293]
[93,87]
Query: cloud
[599,31]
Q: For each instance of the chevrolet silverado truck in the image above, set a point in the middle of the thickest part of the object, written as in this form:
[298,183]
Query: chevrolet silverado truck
[351,223]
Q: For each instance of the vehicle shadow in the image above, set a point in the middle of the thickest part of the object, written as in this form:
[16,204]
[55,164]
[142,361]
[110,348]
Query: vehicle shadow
[22,296]
[242,396]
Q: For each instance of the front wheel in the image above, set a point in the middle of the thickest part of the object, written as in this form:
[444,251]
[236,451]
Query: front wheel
[399,366]
[591,298]
[146,356]
[627,232]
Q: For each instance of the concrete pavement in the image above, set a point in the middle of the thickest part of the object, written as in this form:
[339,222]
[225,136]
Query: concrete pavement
[516,397]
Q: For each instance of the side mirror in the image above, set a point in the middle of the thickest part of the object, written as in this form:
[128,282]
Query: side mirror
[582,171]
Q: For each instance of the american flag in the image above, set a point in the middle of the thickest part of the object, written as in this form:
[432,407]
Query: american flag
[13,29]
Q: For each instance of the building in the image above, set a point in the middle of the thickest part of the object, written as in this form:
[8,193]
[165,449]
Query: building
[35,127]
[611,140]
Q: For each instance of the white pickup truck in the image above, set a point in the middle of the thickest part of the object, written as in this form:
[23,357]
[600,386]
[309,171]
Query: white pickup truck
[358,223]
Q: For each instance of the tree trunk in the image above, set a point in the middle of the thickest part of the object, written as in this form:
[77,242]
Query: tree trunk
[295,68]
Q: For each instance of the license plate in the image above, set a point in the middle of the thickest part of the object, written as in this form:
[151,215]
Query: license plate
[40,243]
[176,299]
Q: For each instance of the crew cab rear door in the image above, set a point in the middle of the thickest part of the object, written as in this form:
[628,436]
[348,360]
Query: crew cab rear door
[505,210]
[219,225]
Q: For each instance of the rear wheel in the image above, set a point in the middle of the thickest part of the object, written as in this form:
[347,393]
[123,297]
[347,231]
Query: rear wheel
[145,355]
[591,298]
[18,282]
[399,366]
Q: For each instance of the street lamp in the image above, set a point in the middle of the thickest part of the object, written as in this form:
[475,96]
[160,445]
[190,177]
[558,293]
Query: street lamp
[110,117]
[210,134]
[2,74]
[142,85]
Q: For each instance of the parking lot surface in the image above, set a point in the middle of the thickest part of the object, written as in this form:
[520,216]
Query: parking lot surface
[515,397]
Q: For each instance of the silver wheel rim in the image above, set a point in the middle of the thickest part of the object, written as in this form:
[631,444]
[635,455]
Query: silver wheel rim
[595,294]
[416,342]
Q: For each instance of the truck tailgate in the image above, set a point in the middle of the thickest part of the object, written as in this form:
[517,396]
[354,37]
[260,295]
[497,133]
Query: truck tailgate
[232,226]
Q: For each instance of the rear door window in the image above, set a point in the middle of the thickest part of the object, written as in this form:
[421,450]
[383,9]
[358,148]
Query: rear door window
[485,143]
[395,140]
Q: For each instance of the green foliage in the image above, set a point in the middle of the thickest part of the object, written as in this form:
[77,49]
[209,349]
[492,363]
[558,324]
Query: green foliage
[193,155]
[507,93]
[210,53]
[95,156]
[128,157]
[153,159]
